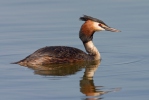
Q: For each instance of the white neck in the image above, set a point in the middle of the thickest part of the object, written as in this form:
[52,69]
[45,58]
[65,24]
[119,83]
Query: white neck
[92,50]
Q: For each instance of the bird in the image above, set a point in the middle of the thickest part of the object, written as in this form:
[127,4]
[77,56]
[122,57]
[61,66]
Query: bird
[66,54]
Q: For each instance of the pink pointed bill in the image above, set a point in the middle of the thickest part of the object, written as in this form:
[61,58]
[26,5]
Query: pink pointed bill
[111,29]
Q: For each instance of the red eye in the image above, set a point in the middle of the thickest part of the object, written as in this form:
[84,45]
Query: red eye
[100,24]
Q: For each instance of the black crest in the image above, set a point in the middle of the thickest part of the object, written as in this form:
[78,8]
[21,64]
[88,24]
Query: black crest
[86,18]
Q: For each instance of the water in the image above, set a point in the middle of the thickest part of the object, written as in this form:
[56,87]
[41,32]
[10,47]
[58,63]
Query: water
[26,26]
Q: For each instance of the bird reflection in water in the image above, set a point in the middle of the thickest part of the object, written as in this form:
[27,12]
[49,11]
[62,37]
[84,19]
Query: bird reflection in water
[87,86]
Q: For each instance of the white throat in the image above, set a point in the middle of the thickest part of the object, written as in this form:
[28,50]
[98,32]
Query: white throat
[92,50]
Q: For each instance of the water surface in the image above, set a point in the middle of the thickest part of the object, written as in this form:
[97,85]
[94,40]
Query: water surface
[26,26]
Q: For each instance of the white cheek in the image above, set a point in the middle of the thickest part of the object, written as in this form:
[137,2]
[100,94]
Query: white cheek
[97,27]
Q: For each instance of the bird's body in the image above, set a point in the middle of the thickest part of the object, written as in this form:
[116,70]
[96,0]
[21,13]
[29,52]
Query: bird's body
[64,54]
[55,54]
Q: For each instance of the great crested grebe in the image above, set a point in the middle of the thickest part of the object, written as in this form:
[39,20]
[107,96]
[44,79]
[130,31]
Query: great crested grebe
[64,54]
